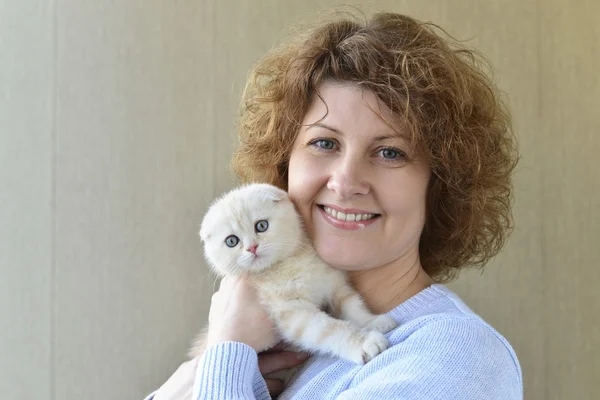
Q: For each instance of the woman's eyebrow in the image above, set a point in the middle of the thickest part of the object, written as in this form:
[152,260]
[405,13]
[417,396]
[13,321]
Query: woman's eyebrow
[322,125]
[380,138]
[386,137]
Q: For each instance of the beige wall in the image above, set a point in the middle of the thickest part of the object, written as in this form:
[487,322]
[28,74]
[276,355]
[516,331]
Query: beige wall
[116,123]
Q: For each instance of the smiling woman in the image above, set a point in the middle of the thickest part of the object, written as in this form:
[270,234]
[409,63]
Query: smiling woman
[427,95]
[347,161]
[366,168]
[397,153]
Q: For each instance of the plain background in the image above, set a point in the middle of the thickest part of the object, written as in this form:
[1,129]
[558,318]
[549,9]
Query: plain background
[117,122]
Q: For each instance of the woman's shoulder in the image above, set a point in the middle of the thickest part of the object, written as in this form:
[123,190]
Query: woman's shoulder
[441,349]
[437,324]
[441,344]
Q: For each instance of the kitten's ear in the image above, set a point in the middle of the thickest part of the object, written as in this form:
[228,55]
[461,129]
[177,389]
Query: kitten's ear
[203,233]
[274,193]
[206,222]
[210,219]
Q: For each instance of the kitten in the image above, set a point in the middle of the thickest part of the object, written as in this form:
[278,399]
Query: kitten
[255,231]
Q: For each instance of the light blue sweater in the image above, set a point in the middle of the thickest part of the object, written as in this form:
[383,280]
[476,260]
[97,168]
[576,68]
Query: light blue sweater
[440,350]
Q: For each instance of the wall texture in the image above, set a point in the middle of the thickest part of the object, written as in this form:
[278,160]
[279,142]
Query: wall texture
[116,128]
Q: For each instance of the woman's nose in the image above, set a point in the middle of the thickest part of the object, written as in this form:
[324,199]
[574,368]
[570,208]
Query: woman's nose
[348,179]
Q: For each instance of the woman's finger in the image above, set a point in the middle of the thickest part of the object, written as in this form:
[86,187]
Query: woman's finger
[278,360]
[275,387]
[278,347]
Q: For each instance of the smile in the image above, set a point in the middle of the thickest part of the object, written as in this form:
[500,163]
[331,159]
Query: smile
[347,220]
[347,217]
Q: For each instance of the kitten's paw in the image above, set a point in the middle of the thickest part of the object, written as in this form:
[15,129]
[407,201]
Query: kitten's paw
[373,344]
[382,323]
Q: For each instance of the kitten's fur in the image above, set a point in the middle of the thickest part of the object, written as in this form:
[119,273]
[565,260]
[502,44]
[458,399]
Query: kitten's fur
[293,283]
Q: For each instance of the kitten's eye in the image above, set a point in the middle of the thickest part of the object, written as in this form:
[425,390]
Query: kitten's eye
[232,241]
[261,225]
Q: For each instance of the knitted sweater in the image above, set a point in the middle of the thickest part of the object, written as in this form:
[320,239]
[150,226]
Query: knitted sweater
[440,350]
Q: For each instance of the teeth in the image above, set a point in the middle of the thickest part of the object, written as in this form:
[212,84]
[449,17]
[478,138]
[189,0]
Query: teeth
[348,217]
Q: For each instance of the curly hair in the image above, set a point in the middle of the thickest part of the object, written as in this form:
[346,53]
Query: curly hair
[452,109]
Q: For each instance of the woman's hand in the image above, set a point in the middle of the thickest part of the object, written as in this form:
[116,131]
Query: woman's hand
[236,315]
[179,386]
[275,360]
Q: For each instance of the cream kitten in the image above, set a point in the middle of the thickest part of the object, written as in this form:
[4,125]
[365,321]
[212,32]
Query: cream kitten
[255,231]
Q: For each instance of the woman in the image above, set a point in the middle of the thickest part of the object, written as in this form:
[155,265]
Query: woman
[388,121]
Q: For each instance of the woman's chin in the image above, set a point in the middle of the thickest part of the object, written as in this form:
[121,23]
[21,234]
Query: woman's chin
[345,261]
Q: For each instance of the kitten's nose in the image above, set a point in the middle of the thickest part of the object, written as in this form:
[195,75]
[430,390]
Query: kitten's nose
[252,249]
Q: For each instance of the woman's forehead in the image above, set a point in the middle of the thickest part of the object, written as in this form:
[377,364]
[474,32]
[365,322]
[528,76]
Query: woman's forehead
[340,107]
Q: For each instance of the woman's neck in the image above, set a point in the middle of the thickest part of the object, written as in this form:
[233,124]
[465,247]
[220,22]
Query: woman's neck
[384,288]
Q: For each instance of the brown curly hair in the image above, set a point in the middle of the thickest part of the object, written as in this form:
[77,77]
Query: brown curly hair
[452,111]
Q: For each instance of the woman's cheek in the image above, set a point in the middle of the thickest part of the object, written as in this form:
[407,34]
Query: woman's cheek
[305,182]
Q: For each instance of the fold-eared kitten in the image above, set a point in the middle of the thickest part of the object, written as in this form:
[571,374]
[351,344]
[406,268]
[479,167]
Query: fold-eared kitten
[255,231]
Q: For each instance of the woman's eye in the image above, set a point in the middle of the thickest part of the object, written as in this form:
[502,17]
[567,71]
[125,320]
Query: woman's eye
[392,154]
[261,225]
[325,144]
[232,241]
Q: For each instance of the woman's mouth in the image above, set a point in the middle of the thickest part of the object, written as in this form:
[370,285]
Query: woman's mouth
[349,220]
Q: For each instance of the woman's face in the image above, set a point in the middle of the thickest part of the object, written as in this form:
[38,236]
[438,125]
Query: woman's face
[357,185]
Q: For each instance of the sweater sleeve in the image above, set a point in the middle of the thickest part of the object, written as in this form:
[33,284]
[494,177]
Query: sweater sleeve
[229,371]
[445,359]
